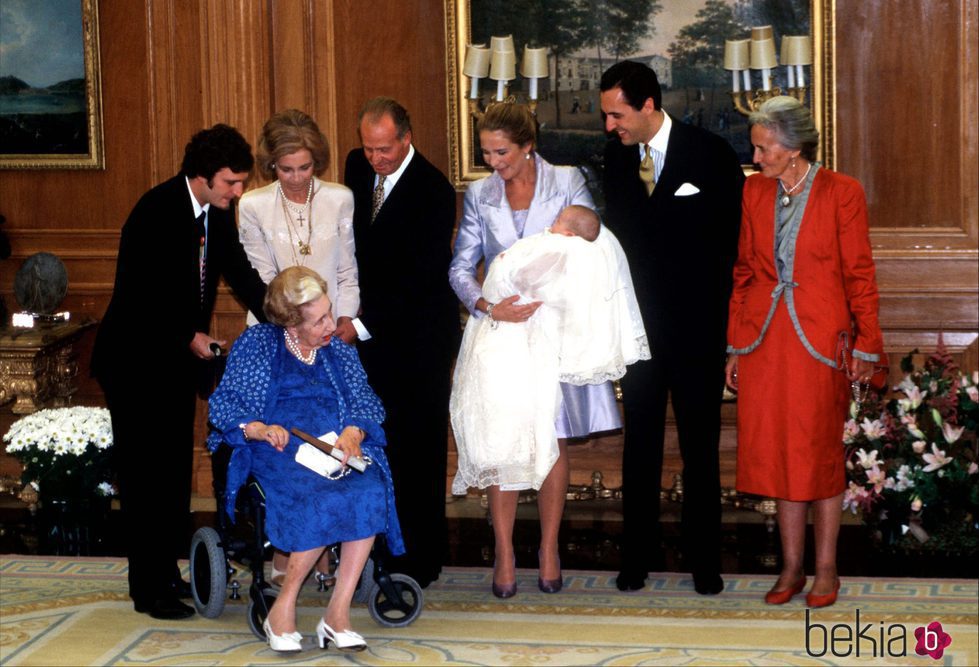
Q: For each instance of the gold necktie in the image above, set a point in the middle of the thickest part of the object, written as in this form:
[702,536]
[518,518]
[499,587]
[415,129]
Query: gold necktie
[647,171]
[378,198]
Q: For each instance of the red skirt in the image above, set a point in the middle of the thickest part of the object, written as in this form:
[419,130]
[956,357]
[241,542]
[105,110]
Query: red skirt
[791,412]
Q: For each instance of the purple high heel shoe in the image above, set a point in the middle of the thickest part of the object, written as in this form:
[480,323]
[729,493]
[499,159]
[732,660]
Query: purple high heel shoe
[506,590]
[550,585]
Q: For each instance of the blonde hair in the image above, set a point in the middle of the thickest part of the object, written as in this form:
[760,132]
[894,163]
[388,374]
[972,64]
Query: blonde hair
[287,132]
[514,120]
[289,291]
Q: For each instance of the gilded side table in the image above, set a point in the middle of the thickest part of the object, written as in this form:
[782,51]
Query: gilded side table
[38,365]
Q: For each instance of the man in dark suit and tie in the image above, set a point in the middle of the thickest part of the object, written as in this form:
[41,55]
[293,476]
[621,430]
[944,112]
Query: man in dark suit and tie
[404,212]
[673,198]
[152,348]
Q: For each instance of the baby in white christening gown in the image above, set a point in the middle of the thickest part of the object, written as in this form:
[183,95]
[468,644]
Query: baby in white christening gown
[505,392]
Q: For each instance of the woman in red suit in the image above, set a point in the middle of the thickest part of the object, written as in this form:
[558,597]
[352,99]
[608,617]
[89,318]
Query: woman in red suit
[803,282]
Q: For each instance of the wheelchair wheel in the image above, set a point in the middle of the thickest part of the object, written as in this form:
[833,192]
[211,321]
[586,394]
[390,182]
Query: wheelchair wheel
[258,610]
[401,609]
[208,572]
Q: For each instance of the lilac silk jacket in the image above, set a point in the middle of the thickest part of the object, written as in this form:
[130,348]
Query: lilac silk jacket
[487,227]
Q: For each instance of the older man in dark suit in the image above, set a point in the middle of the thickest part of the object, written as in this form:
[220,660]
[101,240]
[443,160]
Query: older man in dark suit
[404,212]
[152,348]
[673,198]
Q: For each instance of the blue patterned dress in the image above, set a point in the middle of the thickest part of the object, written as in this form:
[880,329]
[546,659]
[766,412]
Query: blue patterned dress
[264,382]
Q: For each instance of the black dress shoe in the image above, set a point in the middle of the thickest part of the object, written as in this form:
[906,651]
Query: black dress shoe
[182,589]
[708,583]
[167,609]
[630,580]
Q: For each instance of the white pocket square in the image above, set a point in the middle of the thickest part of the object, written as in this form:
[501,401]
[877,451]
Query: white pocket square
[686,190]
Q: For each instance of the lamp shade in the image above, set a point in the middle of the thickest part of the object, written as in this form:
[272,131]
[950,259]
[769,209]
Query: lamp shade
[504,43]
[763,53]
[736,54]
[477,61]
[534,64]
[761,32]
[796,50]
[503,66]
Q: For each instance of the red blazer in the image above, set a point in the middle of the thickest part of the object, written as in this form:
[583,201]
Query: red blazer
[832,287]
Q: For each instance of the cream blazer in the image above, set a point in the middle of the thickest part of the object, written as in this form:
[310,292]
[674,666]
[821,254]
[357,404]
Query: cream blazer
[272,244]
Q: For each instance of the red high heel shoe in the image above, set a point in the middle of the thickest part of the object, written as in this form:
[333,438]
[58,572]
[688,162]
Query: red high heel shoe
[781,597]
[814,601]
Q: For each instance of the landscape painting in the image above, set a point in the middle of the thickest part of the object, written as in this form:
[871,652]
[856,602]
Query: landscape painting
[50,100]
[682,40]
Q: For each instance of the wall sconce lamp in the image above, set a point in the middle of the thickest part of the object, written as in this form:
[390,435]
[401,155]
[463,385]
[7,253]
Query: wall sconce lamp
[498,61]
[758,53]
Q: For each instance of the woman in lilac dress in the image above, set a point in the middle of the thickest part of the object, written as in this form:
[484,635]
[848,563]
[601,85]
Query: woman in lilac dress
[295,373]
[522,196]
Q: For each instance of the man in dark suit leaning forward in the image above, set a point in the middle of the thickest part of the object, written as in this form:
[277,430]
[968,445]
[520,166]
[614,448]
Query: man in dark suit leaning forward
[404,212]
[152,348]
[673,198]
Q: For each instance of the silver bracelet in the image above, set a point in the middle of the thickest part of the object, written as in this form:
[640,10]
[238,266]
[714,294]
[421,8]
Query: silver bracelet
[489,313]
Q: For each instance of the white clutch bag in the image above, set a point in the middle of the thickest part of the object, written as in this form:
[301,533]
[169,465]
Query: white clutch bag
[319,462]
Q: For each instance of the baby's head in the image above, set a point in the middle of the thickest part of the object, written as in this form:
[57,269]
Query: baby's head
[577,220]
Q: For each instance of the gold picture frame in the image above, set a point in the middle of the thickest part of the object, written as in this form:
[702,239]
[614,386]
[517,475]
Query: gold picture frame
[464,162]
[15,151]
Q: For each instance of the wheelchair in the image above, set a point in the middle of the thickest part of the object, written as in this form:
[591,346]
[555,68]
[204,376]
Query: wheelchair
[393,599]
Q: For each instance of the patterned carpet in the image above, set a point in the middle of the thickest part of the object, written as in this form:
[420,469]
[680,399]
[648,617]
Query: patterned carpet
[58,611]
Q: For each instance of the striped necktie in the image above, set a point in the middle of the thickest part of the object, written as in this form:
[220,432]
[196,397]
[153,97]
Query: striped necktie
[202,255]
[378,199]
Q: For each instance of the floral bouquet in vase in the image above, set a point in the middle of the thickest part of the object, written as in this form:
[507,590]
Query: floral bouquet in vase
[65,451]
[912,460]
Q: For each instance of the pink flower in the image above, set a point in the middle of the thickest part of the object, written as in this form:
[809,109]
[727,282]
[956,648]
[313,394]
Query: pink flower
[877,477]
[853,497]
[951,433]
[936,459]
[850,431]
[916,504]
[912,425]
[973,392]
[914,397]
[973,468]
[874,430]
[867,461]
[919,446]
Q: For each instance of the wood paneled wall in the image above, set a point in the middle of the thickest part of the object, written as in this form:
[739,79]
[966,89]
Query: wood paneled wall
[905,126]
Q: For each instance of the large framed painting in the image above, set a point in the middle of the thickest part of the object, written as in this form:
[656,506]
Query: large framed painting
[50,95]
[683,40]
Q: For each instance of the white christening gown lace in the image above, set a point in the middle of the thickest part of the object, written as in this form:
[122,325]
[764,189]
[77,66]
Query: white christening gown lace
[505,391]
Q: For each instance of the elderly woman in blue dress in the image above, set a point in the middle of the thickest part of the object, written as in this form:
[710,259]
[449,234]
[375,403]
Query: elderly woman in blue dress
[294,373]
[522,196]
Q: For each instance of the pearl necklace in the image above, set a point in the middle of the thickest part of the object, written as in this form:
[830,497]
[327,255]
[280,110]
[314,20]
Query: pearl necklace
[294,207]
[293,346]
[785,200]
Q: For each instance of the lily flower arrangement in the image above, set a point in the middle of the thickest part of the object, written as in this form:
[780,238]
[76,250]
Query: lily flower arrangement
[912,461]
[65,451]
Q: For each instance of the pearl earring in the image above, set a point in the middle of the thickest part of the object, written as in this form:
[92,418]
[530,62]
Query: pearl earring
[526,156]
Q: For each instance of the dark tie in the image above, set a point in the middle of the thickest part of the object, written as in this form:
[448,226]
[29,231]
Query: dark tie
[647,171]
[378,198]
[202,256]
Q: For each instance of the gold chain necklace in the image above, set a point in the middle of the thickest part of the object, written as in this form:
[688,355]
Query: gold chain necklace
[305,249]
